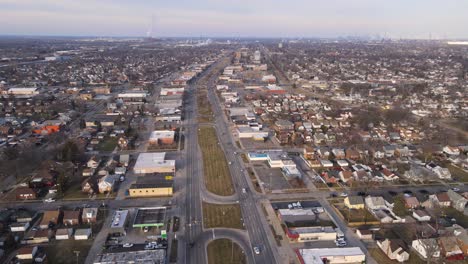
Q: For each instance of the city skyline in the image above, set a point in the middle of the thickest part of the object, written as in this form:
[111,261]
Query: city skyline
[259,18]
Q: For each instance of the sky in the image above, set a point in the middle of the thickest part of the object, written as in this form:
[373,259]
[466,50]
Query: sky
[237,18]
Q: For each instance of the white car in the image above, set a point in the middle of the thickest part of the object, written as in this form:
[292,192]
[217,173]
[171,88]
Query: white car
[344,195]
[341,243]
[49,200]
[127,245]
[256,250]
[455,189]
[244,190]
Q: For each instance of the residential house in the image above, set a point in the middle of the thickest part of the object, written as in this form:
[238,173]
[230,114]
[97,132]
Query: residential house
[346,176]
[395,249]
[82,234]
[93,162]
[441,199]
[449,150]
[27,253]
[411,202]
[458,201]
[50,218]
[364,234]
[352,154]
[89,215]
[449,248]
[376,202]
[25,193]
[106,184]
[71,218]
[354,202]
[421,216]
[63,233]
[426,247]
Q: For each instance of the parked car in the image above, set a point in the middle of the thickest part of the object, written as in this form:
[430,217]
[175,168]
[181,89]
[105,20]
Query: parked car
[127,245]
[256,250]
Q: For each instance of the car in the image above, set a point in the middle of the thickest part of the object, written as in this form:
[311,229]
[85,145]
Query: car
[343,194]
[145,229]
[244,190]
[34,229]
[341,244]
[455,189]
[333,195]
[256,250]
[127,245]
[49,200]
[230,163]
[149,246]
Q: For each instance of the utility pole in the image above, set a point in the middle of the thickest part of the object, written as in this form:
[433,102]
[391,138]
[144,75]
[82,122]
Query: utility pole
[77,255]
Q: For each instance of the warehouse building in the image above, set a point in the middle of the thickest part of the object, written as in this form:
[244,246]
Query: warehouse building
[153,163]
[331,255]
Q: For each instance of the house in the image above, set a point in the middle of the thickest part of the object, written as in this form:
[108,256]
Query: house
[354,202]
[25,193]
[395,249]
[39,236]
[458,201]
[389,175]
[364,234]
[346,176]
[106,184]
[421,216]
[93,162]
[352,154]
[83,234]
[426,246]
[376,202]
[19,227]
[71,218]
[449,150]
[89,215]
[63,233]
[441,199]
[50,218]
[338,153]
[411,202]
[449,247]
[27,252]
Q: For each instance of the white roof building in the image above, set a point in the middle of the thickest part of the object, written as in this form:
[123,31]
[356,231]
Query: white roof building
[153,163]
[333,255]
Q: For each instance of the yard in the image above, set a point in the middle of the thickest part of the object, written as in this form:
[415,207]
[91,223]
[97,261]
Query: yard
[458,174]
[222,215]
[224,251]
[217,176]
[355,215]
[381,258]
[108,144]
[68,251]
[460,218]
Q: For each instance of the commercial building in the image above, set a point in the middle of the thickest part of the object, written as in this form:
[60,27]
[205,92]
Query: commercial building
[23,92]
[162,137]
[157,256]
[331,255]
[153,163]
[157,188]
[150,217]
[314,233]
[248,132]
[119,222]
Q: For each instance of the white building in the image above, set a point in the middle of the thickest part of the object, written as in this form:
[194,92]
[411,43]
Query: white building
[153,163]
[333,255]
[426,246]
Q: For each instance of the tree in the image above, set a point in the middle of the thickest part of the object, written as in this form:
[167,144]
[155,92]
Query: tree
[61,182]
[82,123]
[70,151]
[399,207]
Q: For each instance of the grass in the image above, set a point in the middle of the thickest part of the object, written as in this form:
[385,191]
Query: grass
[217,176]
[64,251]
[457,173]
[254,180]
[244,158]
[222,215]
[381,258]
[224,251]
[356,215]
[108,144]
[205,113]
[461,219]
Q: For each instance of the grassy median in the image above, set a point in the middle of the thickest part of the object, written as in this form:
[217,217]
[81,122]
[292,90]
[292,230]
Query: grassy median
[224,251]
[222,215]
[217,176]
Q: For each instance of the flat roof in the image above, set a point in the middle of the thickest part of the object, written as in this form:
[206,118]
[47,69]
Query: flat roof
[150,216]
[157,256]
[119,219]
[152,160]
[162,134]
[315,255]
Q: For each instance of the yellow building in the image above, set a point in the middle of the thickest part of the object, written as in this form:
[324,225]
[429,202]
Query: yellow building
[160,188]
[354,202]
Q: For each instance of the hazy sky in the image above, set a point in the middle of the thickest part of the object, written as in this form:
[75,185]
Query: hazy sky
[233,18]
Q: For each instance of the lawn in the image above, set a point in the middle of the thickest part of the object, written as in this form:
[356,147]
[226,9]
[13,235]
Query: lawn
[254,180]
[224,251]
[217,176]
[108,144]
[64,251]
[222,215]
[461,219]
[457,173]
[205,113]
[356,215]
